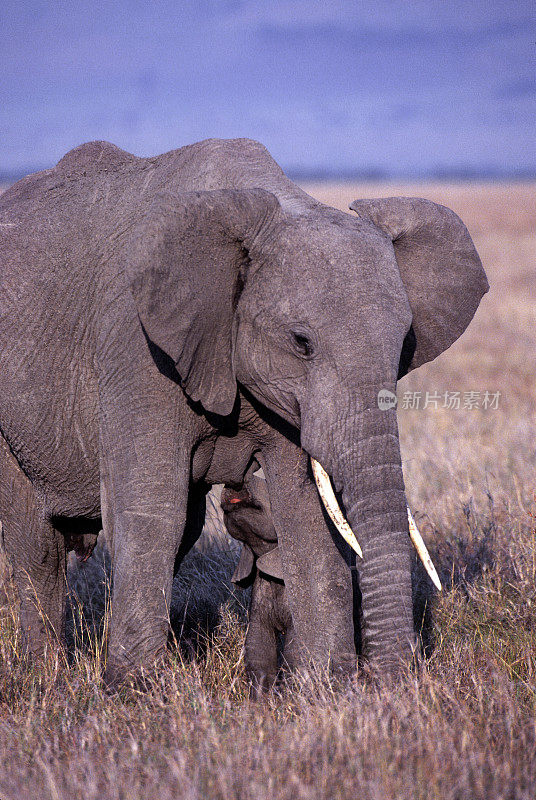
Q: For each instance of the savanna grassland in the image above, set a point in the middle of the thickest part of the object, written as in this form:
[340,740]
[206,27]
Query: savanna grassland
[463,729]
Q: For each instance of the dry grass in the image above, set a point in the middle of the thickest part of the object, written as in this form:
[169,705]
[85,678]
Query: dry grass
[464,728]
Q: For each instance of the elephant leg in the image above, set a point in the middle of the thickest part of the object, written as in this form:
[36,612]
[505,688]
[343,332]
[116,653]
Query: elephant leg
[261,639]
[146,540]
[37,554]
[317,578]
[144,494]
[291,652]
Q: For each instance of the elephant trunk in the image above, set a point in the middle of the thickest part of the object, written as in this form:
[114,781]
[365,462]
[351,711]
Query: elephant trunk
[363,456]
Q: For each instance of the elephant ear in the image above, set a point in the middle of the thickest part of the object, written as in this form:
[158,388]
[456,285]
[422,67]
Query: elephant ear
[186,268]
[439,266]
[243,574]
[270,564]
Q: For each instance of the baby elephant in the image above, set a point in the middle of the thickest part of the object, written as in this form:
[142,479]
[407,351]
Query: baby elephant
[248,518]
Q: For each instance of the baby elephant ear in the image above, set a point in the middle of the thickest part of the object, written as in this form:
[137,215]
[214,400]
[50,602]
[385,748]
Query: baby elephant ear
[186,265]
[243,574]
[438,264]
[270,564]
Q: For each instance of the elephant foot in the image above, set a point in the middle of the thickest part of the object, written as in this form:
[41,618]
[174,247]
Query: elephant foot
[45,658]
[387,675]
[344,668]
[260,684]
[119,676]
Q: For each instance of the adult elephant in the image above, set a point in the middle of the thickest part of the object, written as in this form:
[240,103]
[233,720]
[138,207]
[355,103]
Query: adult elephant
[136,296]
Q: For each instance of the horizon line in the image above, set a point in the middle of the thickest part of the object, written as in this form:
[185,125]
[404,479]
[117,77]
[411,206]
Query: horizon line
[325,174]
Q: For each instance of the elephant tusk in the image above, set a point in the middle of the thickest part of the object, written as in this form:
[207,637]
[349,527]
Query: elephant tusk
[422,551]
[332,507]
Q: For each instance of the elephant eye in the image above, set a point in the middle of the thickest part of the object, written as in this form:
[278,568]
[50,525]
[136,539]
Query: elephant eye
[302,344]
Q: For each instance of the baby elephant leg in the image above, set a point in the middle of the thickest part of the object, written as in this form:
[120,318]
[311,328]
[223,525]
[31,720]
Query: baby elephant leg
[261,639]
[269,619]
[248,519]
[291,655]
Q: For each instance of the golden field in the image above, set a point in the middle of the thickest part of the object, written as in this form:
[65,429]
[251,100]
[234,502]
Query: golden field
[464,728]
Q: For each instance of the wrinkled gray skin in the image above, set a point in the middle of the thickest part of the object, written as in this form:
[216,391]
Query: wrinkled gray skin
[248,519]
[135,296]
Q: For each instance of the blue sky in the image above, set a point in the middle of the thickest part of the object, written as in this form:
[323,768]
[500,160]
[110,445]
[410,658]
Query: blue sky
[402,87]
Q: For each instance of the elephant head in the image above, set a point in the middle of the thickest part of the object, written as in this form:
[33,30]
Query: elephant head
[314,312]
